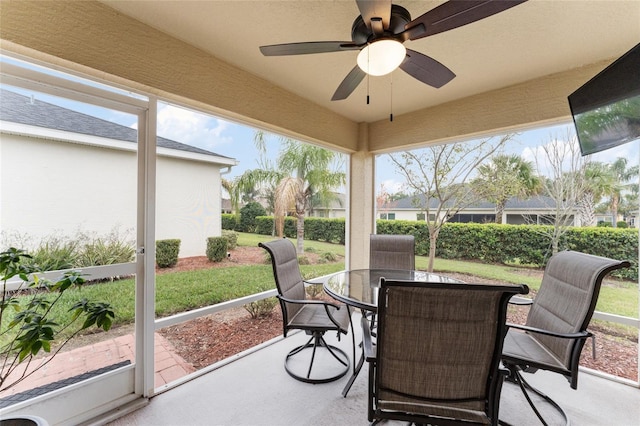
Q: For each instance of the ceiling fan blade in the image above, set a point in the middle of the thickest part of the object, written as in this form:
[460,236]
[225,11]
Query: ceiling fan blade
[454,14]
[307,48]
[370,9]
[349,84]
[426,69]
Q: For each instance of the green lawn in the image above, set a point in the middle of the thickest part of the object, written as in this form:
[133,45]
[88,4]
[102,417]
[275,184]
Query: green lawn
[183,291]
[620,298]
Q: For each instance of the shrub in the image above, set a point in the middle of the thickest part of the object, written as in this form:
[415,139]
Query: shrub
[107,251]
[262,307]
[248,215]
[31,321]
[329,256]
[303,260]
[229,221]
[167,253]
[232,239]
[54,254]
[622,224]
[216,248]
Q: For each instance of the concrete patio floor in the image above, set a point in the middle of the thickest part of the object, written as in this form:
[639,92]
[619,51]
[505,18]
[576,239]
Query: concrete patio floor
[256,390]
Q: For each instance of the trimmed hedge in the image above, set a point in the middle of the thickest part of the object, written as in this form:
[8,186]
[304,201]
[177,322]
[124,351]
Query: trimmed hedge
[167,253]
[216,248]
[491,243]
[526,244]
[232,238]
[315,228]
[230,221]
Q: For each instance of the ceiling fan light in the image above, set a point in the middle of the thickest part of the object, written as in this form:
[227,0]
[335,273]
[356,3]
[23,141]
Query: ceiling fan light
[381,57]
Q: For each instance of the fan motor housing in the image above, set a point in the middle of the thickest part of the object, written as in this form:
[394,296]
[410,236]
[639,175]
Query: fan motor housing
[400,17]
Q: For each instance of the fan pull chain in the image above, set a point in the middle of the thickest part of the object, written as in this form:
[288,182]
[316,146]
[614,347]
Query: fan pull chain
[391,100]
[368,89]
[368,75]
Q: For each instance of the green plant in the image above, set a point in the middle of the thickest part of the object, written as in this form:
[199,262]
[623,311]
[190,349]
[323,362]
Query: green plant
[216,248]
[261,307]
[232,239]
[106,251]
[28,324]
[54,254]
[167,253]
[329,256]
[248,216]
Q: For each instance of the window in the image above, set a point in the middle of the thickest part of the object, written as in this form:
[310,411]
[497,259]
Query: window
[421,216]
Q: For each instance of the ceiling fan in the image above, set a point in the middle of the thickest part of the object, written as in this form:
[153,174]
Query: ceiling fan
[380,31]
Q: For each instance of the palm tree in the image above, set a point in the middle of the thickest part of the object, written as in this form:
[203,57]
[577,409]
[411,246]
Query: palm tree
[599,181]
[301,174]
[309,176]
[621,175]
[506,176]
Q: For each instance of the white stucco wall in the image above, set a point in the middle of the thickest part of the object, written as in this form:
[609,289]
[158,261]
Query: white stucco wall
[188,203]
[51,187]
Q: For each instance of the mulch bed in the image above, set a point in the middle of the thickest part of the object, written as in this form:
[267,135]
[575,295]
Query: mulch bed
[206,340]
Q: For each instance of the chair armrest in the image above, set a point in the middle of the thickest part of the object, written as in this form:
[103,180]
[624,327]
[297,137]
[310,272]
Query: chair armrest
[308,302]
[326,305]
[519,300]
[577,335]
[367,343]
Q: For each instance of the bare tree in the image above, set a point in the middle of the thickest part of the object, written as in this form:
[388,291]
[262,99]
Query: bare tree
[563,168]
[438,177]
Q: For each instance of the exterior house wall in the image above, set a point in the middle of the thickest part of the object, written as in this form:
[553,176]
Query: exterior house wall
[188,203]
[57,188]
[52,187]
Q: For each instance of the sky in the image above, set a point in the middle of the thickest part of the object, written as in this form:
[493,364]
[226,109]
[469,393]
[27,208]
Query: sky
[234,140]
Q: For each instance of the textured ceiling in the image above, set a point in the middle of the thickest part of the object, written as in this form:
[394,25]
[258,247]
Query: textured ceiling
[536,38]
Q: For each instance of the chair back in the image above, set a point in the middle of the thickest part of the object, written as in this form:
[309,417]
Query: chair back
[392,252]
[438,350]
[286,272]
[566,300]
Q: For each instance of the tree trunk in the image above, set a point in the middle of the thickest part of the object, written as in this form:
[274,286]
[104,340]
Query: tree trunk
[300,233]
[614,210]
[587,210]
[433,238]
[499,211]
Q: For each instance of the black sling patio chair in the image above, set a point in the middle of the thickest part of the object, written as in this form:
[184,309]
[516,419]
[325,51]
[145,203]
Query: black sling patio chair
[392,252]
[315,317]
[556,327]
[437,357]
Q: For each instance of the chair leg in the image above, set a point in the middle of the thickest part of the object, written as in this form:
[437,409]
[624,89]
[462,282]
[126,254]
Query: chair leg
[524,385]
[317,340]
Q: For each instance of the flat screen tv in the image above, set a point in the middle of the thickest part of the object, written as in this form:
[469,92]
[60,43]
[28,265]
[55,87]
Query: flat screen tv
[606,109]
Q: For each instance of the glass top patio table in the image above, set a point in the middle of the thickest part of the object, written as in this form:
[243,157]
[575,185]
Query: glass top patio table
[359,287]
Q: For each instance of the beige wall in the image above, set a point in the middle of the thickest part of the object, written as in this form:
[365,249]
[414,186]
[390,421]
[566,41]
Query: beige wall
[50,187]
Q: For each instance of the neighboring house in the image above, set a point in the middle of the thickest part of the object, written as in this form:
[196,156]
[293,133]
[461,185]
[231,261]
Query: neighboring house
[534,210]
[44,146]
[607,217]
[335,208]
